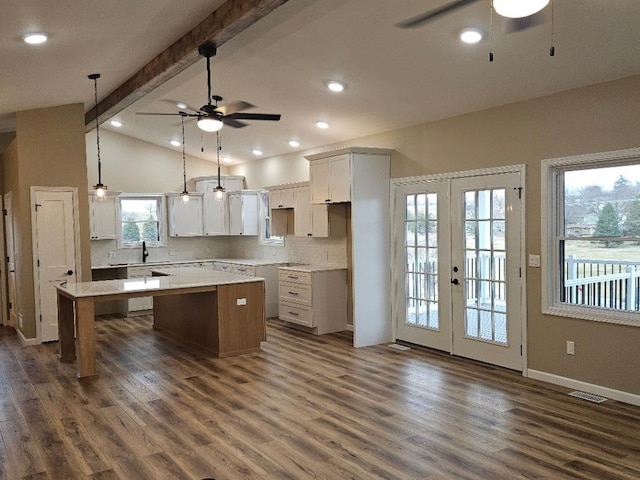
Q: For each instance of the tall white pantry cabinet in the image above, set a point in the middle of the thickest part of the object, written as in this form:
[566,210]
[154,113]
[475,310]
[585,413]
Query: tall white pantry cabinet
[361,176]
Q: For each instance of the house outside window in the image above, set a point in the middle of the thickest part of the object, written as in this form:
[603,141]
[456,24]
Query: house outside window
[591,234]
[141,219]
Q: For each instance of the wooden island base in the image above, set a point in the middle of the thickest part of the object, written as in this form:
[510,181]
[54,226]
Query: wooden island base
[214,320]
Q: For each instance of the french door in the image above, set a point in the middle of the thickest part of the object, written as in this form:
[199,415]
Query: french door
[458,266]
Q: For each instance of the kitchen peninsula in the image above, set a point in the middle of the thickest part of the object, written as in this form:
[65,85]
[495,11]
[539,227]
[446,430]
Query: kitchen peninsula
[223,313]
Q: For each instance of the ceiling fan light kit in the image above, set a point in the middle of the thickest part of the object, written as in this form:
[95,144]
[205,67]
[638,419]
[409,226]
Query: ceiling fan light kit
[210,123]
[99,190]
[518,8]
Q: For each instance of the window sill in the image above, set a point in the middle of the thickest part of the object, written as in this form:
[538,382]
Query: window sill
[594,314]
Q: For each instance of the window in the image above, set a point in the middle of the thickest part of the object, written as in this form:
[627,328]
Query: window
[593,232]
[141,219]
[265,222]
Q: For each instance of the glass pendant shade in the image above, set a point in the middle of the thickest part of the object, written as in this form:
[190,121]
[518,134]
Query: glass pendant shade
[100,191]
[518,8]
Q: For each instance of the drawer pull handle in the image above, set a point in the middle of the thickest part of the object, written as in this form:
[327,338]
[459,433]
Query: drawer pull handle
[294,277]
[293,293]
[294,314]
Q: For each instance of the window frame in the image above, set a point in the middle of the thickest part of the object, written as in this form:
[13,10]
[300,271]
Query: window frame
[161,209]
[264,216]
[552,215]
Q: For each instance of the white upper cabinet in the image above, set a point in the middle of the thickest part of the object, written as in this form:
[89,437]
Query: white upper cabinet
[243,212]
[330,179]
[103,217]
[215,209]
[185,218]
[301,212]
[281,198]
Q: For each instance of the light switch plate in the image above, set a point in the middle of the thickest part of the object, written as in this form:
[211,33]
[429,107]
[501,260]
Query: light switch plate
[534,260]
[241,301]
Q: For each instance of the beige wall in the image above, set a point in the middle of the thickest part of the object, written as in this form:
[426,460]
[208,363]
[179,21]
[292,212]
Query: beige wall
[48,151]
[131,165]
[598,118]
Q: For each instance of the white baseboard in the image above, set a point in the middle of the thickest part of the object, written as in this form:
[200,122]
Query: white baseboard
[606,392]
[27,342]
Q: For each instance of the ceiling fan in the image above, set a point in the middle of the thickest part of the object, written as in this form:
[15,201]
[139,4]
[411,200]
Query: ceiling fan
[519,15]
[211,117]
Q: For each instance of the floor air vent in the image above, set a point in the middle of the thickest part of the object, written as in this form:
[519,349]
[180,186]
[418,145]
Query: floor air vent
[398,346]
[588,397]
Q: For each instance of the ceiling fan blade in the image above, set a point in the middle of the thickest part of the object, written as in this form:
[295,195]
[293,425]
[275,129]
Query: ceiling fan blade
[513,25]
[234,107]
[181,114]
[179,104]
[255,116]
[232,122]
[425,17]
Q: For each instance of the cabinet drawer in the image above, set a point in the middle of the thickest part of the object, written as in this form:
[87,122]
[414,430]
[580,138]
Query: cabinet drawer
[222,267]
[296,314]
[295,292]
[244,270]
[293,276]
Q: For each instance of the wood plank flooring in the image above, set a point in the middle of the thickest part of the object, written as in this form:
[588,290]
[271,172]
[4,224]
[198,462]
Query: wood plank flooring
[305,407]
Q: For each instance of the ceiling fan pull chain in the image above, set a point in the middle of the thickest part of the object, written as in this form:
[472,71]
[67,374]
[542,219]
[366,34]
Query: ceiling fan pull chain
[552,49]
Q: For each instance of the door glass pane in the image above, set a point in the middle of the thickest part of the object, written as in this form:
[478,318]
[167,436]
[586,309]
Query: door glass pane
[421,253]
[485,266]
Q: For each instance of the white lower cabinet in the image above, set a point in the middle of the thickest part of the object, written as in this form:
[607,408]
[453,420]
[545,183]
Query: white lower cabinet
[139,304]
[314,297]
[268,272]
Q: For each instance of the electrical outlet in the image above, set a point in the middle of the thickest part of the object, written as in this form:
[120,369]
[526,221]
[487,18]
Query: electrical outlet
[571,348]
[208,249]
[112,255]
[172,251]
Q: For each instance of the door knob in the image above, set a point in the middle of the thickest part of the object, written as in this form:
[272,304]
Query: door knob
[455,281]
[69,272]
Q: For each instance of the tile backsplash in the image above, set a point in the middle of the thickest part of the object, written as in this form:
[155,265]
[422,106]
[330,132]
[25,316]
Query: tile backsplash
[321,251]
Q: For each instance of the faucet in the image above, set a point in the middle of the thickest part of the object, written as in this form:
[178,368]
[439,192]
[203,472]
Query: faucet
[145,252]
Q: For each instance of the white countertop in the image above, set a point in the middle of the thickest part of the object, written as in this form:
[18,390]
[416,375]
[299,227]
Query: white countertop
[310,268]
[254,262]
[238,261]
[174,280]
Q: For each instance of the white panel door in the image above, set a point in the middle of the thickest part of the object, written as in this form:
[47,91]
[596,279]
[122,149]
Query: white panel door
[54,253]
[11,261]
[458,263]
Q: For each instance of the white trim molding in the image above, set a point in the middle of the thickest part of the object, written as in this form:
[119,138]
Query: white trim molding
[26,342]
[573,384]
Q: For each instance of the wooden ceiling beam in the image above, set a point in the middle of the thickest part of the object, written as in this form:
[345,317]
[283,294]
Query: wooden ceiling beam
[227,21]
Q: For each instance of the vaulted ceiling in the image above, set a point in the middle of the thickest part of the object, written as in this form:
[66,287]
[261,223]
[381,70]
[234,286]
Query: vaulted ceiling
[280,62]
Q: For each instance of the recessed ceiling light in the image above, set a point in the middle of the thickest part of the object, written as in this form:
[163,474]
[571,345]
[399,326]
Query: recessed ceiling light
[35,38]
[335,86]
[470,35]
[226,159]
[257,152]
[175,143]
[116,123]
[321,124]
[181,105]
[294,143]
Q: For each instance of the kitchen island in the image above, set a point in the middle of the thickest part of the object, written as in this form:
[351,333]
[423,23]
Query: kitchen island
[223,313]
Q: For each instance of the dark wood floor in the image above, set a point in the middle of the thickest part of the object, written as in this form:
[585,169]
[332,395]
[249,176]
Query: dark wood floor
[305,407]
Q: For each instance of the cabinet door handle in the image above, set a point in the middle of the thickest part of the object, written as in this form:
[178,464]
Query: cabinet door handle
[292,277]
[293,293]
[327,200]
[295,314]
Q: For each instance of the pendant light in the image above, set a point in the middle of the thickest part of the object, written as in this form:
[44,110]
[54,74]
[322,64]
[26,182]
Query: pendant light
[219,190]
[185,194]
[99,190]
